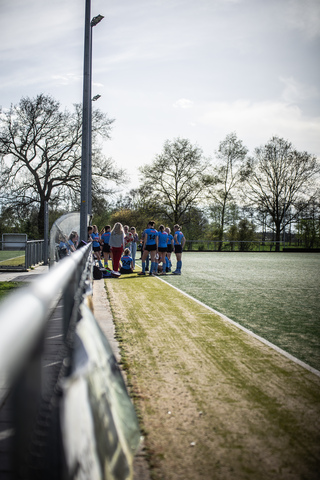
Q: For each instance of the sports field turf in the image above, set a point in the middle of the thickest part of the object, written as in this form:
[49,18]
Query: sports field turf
[277,296]
[12,258]
[214,402]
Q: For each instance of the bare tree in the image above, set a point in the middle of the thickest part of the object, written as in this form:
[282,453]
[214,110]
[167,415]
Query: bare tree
[279,182]
[227,176]
[175,181]
[40,149]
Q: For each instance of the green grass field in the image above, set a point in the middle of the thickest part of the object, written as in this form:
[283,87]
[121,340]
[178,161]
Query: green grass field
[277,296]
[12,258]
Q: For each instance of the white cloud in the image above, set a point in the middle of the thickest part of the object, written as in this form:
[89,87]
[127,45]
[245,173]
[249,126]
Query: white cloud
[256,122]
[183,103]
[295,91]
[67,79]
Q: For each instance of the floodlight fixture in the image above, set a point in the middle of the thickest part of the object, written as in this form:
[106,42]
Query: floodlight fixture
[96,97]
[96,20]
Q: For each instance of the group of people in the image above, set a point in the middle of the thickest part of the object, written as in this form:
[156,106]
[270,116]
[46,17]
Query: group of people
[68,244]
[120,245]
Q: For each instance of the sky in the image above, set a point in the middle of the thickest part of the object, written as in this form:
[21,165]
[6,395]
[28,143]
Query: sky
[197,69]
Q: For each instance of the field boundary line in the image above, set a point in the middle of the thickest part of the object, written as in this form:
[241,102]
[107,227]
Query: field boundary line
[249,332]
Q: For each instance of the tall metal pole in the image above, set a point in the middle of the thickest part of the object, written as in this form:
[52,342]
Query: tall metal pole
[284,225]
[90,133]
[46,234]
[85,125]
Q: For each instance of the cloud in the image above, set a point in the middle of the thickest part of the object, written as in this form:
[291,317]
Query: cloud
[183,103]
[295,91]
[304,16]
[66,79]
[256,122]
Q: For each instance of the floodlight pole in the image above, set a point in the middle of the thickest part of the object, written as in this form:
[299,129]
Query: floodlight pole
[85,126]
[86,153]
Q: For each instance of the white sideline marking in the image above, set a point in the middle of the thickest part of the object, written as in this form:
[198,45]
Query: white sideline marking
[249,332]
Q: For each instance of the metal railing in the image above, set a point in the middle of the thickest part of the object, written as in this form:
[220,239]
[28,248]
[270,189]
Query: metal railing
[204,245]
[29,254]
[25,313]
[232,246]
[24,317]
[54,407]
[34,253]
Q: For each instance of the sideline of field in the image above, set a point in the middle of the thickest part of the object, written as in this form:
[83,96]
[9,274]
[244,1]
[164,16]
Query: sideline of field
[249,332]
[214,401]
[273,295]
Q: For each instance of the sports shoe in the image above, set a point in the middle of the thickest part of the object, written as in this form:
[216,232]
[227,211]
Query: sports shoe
[176,273]
[141,273]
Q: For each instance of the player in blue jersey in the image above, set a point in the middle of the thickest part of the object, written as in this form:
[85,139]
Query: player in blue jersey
[150,245]
[126,261]
[96,247]
[179,241]
[105,238]
[162,247]
[169,250]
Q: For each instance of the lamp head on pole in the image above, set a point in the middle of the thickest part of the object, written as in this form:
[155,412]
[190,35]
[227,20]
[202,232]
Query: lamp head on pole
[96,97]
[96,20]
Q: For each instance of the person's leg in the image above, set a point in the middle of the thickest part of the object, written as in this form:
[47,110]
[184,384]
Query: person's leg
[143,261]
[133,253]
[177,260]
[179,264]
[164,263]
[154,267]
[116,258]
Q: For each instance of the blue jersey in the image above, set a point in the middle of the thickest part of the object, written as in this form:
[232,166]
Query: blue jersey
[126,262]
[105,237]
[170,238]
[179,236]
[64,245]
[95,239]
[163,239]
[152,235]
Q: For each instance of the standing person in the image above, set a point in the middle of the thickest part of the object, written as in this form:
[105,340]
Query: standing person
[90,230]
[105,238]
[179,241]
[126,260]
[134,245]
[162,248]
[169,249]
[128,237]
[142,249]
[150,245]
[96,247]
[116,243]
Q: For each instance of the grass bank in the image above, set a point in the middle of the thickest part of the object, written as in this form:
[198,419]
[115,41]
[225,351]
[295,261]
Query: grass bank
[7,287]
[213,401]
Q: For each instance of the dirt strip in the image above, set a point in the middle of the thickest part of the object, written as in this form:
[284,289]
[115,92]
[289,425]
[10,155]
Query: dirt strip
[214,402]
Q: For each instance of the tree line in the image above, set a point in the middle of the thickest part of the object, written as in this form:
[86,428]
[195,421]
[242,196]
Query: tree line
[234,194]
